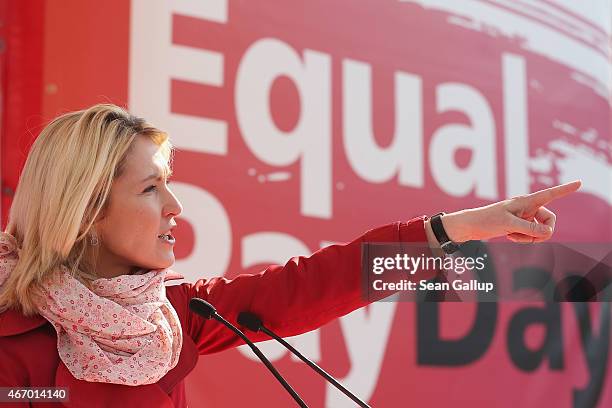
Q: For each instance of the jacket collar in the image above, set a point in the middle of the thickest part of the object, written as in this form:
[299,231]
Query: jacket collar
[12,322]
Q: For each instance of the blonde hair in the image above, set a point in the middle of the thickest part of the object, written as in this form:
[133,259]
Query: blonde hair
[64,187]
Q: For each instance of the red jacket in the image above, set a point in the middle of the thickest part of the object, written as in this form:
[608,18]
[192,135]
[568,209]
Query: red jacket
[300,296]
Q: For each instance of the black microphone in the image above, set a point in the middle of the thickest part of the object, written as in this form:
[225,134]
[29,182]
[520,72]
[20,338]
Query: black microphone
[252,322]
[208,311]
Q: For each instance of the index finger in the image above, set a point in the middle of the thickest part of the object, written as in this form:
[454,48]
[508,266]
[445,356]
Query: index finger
[547,195]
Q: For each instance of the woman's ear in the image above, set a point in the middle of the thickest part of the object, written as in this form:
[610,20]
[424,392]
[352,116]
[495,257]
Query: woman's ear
[95,227]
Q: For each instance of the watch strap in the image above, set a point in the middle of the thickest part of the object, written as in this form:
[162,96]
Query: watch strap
[437,227]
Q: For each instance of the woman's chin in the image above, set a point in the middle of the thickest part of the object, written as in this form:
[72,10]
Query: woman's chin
[161,264]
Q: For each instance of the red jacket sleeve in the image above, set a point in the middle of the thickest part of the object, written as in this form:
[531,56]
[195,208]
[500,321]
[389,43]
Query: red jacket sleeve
[300,296]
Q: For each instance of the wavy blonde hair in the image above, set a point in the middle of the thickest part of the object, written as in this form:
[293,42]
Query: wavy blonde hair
[63,189]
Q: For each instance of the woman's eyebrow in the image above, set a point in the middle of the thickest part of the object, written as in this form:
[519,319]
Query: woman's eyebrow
[156,176]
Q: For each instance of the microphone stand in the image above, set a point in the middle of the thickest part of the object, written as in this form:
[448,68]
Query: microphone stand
[254,323]
[208,311]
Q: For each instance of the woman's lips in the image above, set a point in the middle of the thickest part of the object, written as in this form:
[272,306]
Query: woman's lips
[166,238]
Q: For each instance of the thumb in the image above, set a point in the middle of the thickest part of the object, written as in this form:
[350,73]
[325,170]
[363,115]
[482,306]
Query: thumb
[530,228]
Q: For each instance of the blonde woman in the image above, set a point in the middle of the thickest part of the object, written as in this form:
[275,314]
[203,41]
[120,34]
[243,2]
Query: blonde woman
[87,248]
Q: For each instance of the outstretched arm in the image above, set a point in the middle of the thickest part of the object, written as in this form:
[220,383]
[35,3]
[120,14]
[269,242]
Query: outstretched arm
[308,292]
[299,296]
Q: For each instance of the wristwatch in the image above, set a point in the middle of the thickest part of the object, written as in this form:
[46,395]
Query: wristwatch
[447,245]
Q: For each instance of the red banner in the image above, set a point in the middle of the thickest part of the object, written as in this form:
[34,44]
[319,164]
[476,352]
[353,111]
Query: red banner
[333,117]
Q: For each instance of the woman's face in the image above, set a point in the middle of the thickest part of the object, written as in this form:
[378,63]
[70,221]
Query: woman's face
[141,208]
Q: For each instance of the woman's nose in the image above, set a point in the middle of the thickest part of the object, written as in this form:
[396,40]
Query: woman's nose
[173,206]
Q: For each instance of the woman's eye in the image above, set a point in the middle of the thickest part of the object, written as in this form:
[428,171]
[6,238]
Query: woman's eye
[154,187]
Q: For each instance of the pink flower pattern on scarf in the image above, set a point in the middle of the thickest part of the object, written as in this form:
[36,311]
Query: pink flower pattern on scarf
[123,331]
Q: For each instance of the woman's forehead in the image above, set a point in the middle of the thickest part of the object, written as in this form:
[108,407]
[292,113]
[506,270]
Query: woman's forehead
[146,158]
[145,149]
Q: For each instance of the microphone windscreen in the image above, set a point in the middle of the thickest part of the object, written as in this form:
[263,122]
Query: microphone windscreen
[202,307]
[250,321]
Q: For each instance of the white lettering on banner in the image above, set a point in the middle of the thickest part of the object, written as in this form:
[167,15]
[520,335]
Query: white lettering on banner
[405,154]
[366,333]
[515,125]
[212,233]
[310,140]
[480,174]
[155,61]
[277,248]
[212,10]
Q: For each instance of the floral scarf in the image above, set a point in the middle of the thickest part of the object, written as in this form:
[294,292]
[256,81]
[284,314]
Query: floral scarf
[122,331]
